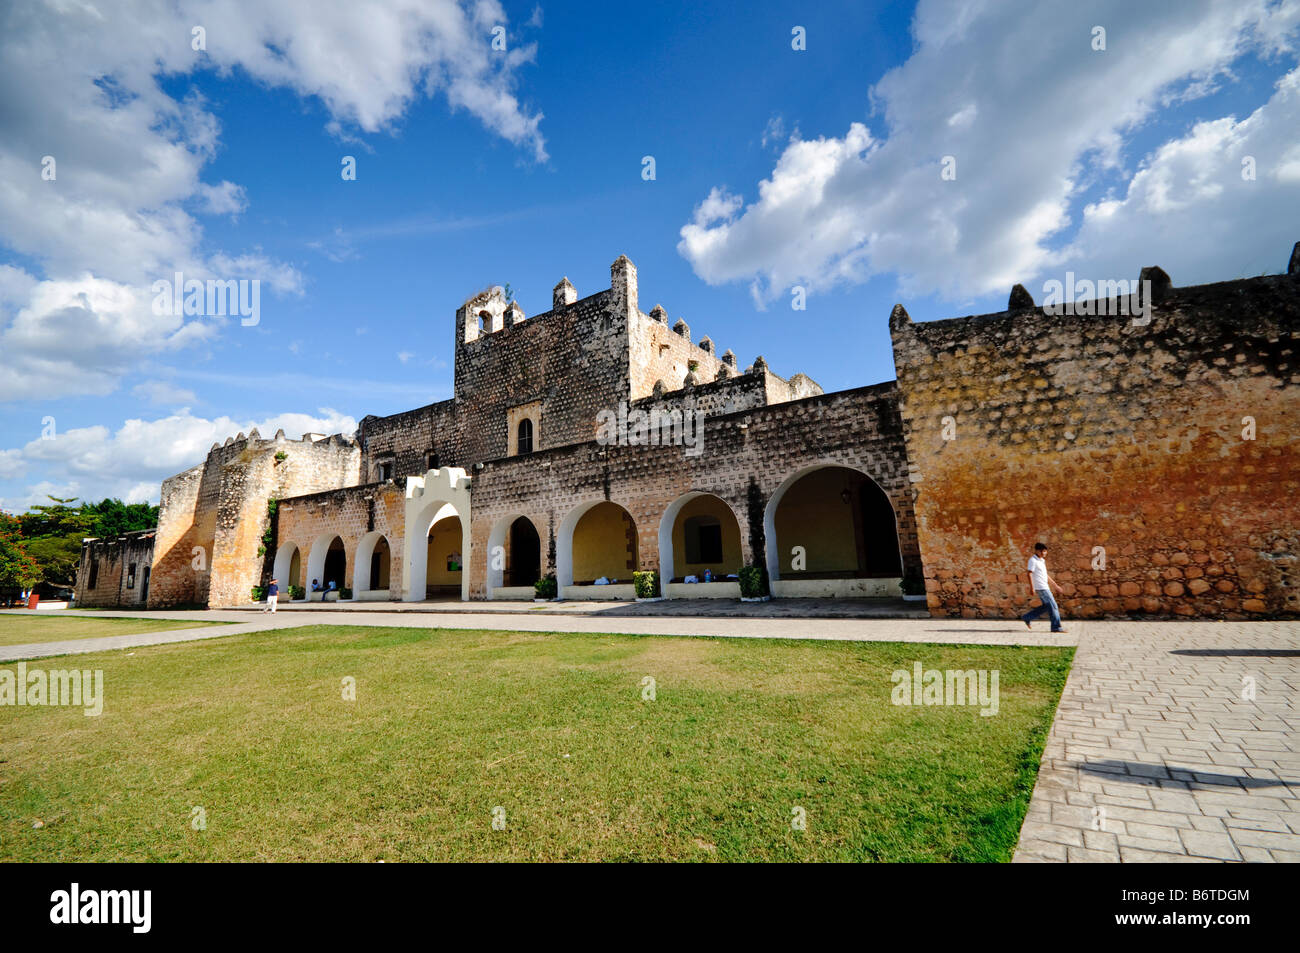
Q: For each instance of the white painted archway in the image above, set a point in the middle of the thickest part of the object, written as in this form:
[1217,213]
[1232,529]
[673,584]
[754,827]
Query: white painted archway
[667,555]
[772,545]
[495,556]
[283,563]
[564,554]
[434,496]
[361,567]
[564,542]
[316,559]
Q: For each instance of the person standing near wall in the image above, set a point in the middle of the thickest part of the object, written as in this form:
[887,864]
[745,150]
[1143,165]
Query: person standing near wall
[272,595]
[1040,582]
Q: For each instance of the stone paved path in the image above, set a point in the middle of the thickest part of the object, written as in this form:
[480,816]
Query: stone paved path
[1155,755]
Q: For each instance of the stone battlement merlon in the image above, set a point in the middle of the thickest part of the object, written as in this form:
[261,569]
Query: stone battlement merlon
[1165,296]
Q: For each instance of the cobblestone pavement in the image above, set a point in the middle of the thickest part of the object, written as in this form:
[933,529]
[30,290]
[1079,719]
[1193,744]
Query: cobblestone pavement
[1159,754]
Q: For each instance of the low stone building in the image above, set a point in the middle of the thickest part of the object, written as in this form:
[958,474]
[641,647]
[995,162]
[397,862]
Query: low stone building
[1156,456]
[115,571]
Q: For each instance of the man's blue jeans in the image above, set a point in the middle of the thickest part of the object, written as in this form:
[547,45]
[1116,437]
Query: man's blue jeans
[1048,606]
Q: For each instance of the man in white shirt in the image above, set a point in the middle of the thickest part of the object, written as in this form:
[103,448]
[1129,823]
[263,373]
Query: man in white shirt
[1040,582]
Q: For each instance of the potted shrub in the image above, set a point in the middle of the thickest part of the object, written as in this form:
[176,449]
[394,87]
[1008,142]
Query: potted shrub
[545,589]
[345,594]
[647,586]
[913,586]
[297,593]
[753,584]
[259,593]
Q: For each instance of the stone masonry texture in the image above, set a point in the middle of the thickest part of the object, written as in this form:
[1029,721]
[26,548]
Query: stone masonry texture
[1160,462]
[1157,460]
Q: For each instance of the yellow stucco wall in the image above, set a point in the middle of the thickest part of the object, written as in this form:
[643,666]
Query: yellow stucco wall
[444,539]
[601,544]
[707,506]
[812,515]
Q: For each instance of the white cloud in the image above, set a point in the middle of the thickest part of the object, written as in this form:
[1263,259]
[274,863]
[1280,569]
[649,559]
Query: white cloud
[131,462]
[1032,116]
[12,464]
[79,335]
[81,85]
[162,392]
[1191,182]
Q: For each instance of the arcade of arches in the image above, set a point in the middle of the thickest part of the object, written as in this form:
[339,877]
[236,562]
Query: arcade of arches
[828,523]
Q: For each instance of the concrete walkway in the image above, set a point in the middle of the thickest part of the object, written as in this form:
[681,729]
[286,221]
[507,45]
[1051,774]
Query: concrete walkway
[675,608]
[963,631]
[1155,755]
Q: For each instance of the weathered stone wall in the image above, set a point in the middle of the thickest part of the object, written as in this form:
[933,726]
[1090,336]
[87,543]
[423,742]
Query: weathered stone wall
[109,560]
[174,582]
[313,520]
[1093,431]
[220,510]
[407,440]
[660,353]
[746,392]
[573,360]
[856,428]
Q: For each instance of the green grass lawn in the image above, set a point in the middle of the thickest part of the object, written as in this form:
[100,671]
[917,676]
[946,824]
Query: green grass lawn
[53,626]
[448,725]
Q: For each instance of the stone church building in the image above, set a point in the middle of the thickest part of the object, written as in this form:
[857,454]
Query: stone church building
[1157,458]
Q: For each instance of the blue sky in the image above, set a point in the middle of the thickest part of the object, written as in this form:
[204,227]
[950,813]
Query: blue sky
[775,168]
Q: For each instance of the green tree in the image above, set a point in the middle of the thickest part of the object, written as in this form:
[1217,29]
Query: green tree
[17,567]
[52,534]
[112,517]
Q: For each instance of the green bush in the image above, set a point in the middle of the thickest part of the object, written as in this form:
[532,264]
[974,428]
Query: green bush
[647,584]
[545,587]
[297,592]
[345,593]
[259,593]
[753,582]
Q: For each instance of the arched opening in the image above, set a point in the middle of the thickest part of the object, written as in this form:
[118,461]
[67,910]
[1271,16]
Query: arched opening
[327,562]
[372,574]
[597,541]
[443,569]
[415,567]
[525,442]
[699,533]
[524,555]
[484,322]
[288,567]
[831,531]
[514,558]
